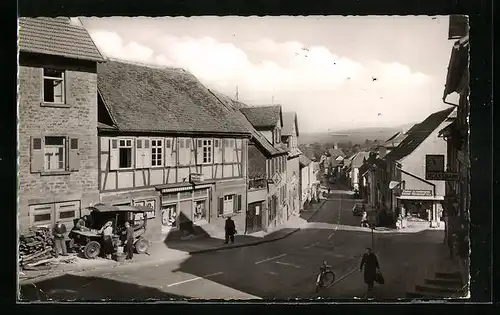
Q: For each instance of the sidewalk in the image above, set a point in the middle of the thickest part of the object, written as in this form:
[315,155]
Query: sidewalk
[170,251]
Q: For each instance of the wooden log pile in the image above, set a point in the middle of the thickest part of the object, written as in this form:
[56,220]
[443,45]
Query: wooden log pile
[35,245]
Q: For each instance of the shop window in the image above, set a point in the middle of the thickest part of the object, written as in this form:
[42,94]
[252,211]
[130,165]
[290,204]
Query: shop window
[169,215]
[200,193]
[185,195]
[170,196]
[53,86]
[200,210]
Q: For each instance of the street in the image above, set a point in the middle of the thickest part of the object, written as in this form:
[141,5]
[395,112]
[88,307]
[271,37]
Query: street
[282,269]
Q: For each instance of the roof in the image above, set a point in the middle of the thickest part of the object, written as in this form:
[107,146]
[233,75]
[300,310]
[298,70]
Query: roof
[257,137]
[56,36]
[336,152]
[418,134]
[263,116]
[142,98]
[304,160]
[359,158]
[394,136]
[289,119]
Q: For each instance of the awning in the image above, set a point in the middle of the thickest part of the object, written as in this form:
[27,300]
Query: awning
[167,188]
[420,197]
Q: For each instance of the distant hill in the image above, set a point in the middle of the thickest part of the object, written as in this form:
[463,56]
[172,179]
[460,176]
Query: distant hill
[356,136]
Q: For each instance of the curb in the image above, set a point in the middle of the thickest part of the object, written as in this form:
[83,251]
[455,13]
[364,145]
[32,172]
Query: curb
[201,251]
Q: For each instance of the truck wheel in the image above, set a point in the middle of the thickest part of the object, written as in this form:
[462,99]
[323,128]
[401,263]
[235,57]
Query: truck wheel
[141,246]
[92,250]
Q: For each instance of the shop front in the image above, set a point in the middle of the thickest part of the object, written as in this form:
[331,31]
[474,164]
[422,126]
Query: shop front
[420,206]
[183,206]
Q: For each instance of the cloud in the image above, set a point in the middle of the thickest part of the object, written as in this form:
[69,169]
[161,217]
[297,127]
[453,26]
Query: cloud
[111,45]
[326,90]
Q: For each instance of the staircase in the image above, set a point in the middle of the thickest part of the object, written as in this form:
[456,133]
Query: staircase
[446,282]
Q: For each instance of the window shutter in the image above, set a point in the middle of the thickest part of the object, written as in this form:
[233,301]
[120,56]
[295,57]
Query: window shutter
[199,152]
[192,152]
[239,203]
[36,156]
[175,150]
[139,157]
[220,210]
[114,154]
[74,154]
[168,152]
[146,154]
[235,203]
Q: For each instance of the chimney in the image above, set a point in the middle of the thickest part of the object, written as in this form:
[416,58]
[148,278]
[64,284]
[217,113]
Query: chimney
[382,151]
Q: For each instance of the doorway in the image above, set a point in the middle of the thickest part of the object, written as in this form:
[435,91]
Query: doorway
[254,217]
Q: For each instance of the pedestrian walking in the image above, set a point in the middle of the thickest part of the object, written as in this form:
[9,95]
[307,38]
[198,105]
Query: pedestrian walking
[129,241]
[230,230]
[59,239]
[107,234]
[371,266]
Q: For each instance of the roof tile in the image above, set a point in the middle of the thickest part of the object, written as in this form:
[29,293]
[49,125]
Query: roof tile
[144,98]
[417,134]
[263,116]
[56,36]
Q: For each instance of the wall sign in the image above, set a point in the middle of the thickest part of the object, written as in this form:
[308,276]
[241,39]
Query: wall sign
[446,176]
[416,192]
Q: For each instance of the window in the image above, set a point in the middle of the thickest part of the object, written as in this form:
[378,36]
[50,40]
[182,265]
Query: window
[125,153]
[228,204]
[157,152]
[53,86]
[55,153]
[205,151]
[168,144]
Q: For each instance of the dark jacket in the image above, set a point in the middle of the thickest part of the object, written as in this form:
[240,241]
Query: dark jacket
[230,227]
[370,262]
[129,234]
[59,231]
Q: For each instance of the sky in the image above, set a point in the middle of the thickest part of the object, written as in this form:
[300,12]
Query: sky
[335,72]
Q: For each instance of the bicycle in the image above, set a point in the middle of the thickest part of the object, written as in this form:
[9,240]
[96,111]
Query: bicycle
[325,278]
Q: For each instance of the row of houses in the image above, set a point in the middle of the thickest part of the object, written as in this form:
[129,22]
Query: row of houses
[95,130]
[424,172]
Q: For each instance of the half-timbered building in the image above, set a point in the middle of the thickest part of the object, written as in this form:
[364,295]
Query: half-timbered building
[262,194]
[57,121]
[268,121]
[166,142]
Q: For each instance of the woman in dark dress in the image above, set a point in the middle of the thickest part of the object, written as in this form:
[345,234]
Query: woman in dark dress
[370,263]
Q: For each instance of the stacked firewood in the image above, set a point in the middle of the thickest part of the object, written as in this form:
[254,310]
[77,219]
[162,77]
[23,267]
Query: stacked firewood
[35,245]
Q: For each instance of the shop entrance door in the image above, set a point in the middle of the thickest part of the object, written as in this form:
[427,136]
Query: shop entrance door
[254,217]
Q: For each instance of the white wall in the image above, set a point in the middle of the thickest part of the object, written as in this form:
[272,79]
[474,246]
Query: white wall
[414,163]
